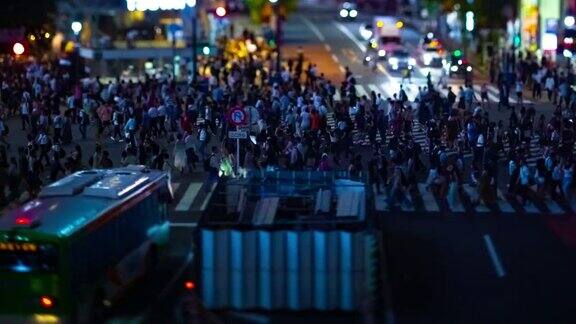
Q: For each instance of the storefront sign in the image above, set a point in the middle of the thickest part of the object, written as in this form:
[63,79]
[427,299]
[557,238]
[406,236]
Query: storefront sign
[153,5]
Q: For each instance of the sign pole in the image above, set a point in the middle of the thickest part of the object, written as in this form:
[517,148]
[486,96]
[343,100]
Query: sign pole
[237,151]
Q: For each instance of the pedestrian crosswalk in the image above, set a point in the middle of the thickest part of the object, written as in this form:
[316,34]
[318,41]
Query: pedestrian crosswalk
[425,200]
[419,135]
[191,196]
[388,89]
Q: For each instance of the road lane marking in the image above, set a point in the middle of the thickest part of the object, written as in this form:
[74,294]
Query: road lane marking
[384,92]
[374,88]
[498,267]
[348,34]
[193,225]
[428,198]
[327,47]
[313,28]
[503,203]
[337,96]
[335,58]
[382,69]
[491,96]
[207,198]
[360,91]
[188,197]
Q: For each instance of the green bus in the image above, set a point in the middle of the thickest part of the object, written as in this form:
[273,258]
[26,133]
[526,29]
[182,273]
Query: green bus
[76,249]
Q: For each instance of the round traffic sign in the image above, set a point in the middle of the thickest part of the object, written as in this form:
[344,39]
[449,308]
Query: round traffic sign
[237,116]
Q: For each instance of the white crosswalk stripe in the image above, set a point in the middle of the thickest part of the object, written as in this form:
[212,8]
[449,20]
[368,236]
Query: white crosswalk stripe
[429,204]
[360,91]
[337,95]
[428,198]
[491,96]
[188,197]
[374,88]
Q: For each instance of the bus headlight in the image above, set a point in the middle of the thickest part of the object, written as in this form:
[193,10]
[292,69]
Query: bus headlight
[381,53]
[343,13]
[353,13]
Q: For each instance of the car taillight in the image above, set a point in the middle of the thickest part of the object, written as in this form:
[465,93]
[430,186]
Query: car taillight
[46,302]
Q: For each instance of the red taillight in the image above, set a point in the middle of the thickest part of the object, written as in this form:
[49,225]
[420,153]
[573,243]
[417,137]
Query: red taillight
[46,302]
[190,285]
[23,220]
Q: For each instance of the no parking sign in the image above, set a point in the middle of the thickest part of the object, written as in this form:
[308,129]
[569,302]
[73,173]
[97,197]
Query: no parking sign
[238,116]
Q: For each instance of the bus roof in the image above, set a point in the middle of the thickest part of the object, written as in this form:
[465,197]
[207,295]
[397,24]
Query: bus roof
[70,204]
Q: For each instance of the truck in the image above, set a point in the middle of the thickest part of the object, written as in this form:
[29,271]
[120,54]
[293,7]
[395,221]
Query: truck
[386,35]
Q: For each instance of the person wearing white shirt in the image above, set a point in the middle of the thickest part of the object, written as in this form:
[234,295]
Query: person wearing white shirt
[549,84]
[25,113]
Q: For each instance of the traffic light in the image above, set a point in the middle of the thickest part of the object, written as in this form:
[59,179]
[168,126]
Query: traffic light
[517,41]
[457,53]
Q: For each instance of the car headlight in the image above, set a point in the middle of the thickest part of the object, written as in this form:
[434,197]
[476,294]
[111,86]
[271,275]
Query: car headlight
[393,61]
[353,13]
[343,13]
[469,68]
[395,67]
[453,68]
[368,58]
[411,61]
[381,53]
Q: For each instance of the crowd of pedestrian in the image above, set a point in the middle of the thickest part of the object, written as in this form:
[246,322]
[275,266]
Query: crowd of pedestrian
[294,122]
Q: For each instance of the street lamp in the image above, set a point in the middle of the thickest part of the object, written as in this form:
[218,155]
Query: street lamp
[18,49]
[76,27]
[276,5]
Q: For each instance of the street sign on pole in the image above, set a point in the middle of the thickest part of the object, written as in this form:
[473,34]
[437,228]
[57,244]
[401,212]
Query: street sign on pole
[238,134]
[238,116]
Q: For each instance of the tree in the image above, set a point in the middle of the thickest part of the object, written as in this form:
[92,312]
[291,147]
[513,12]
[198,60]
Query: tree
[33,15]
[488,14]
[260,10]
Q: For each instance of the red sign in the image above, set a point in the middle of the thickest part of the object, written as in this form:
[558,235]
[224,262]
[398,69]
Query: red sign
[237,116]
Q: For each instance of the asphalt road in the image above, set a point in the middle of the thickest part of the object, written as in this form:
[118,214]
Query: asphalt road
[462,269]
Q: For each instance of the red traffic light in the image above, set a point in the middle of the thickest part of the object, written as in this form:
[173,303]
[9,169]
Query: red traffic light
[46,302]
[18,48]
[220,11]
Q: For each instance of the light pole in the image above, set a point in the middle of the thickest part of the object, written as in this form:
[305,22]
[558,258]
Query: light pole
[276,5]
[194,22]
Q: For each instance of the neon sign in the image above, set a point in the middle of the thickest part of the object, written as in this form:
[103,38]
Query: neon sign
[154,5]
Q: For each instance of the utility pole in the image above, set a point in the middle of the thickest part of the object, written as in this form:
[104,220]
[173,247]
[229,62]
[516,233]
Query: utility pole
[194,21]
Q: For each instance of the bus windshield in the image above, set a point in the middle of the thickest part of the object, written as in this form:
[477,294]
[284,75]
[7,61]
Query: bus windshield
[28,257]
[390,40]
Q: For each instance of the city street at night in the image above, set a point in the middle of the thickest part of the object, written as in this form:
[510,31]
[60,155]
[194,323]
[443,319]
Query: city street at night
[282,161]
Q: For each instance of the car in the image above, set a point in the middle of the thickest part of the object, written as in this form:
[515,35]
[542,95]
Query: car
[400,59]
[431,57]
[348,11]
[457,65]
